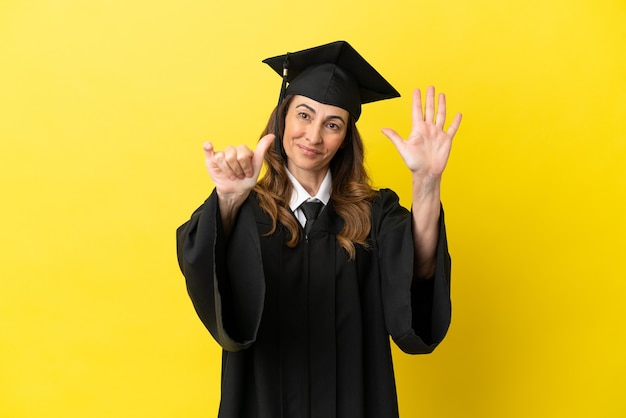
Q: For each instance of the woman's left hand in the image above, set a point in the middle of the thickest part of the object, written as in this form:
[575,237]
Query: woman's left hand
[426,150]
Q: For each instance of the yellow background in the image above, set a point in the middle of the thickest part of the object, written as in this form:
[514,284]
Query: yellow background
[104,106]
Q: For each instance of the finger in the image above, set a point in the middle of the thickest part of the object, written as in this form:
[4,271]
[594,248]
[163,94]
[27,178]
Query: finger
[232,159]
[209,153]
[454,126]
[218,165]
[259,152]
[244,159]
[440,120]
[418,116]
[430,104]
[393,136]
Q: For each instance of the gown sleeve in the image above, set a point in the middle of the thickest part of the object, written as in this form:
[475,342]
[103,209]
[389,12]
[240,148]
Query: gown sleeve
[224,279]
[417,312]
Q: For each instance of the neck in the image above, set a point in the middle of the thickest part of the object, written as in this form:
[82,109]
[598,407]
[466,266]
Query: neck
[310,180]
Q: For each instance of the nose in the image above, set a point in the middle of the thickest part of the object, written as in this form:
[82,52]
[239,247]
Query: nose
[314,134]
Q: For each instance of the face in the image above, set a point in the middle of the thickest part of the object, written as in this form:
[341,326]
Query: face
[313,134]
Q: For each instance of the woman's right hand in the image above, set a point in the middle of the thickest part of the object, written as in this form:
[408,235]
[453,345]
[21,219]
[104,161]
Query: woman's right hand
[235,170]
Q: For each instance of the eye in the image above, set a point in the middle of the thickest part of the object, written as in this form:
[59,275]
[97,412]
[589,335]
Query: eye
[303,115]
[333,126]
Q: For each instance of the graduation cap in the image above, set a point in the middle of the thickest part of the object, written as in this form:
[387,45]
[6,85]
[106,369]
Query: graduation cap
[333,74]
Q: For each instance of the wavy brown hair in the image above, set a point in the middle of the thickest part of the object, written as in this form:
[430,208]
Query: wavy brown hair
[351,193]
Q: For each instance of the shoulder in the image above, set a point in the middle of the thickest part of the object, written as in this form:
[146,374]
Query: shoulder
[253,202]
[387,210]
[385,199]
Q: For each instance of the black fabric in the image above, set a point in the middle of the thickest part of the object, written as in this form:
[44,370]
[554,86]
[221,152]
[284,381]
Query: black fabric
[305,330]
[311,210]
[334,74]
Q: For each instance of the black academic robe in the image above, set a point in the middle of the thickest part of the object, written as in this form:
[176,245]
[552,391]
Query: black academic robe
[305,330]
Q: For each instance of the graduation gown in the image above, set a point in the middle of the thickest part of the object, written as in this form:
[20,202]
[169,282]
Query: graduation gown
[305,330]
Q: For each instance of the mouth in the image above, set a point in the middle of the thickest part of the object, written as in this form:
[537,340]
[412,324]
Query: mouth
[308,151]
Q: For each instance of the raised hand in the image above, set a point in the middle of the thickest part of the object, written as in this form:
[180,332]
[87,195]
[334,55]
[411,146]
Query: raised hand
[235,170]
[426,150]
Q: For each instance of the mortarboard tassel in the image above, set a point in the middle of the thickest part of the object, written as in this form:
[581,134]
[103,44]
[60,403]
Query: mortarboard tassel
[277,140]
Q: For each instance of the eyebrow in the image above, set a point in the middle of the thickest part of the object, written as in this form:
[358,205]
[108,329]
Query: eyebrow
[314,112]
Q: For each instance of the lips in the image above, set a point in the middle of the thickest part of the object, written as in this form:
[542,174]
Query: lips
[309,151]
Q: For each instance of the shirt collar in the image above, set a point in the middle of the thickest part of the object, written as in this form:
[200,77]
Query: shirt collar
[299,195]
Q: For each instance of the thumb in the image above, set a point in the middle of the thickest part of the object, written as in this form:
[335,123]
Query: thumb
[393,137]
[260,151]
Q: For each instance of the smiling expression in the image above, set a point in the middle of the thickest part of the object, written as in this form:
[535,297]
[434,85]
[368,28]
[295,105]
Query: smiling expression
[314,132]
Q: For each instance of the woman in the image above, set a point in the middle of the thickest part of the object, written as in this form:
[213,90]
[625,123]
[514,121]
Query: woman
[304,308]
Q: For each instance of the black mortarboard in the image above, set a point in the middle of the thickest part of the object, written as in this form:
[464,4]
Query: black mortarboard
[333,74]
